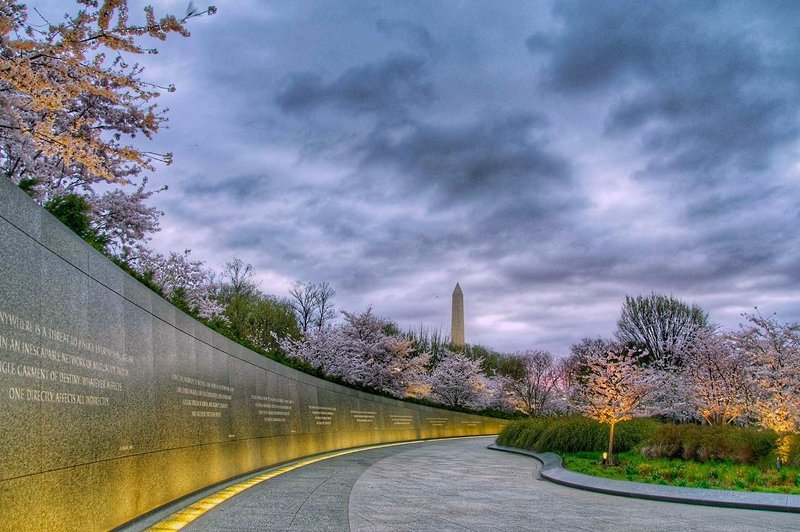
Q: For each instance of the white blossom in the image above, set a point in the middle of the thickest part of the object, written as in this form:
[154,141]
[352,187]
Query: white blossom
[458,381]
[359,351]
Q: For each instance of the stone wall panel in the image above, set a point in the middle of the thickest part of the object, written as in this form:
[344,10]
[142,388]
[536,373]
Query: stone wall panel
[114,403]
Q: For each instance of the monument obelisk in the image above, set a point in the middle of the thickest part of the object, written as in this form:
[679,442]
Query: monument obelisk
[457,323]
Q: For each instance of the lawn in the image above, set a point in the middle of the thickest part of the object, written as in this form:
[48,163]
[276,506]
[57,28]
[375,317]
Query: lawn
[762,476]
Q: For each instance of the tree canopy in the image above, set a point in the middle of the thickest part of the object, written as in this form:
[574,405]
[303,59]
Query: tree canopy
[659,325]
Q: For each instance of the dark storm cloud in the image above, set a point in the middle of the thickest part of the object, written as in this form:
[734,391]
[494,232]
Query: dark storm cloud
[707,96]
[239,187]
[414,35]
[539,43]
[377,87]
[552,157]
[496,155]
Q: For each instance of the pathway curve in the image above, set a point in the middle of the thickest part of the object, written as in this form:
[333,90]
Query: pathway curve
[455,485]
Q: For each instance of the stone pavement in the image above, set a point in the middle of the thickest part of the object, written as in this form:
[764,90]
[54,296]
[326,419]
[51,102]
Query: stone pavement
[456,485]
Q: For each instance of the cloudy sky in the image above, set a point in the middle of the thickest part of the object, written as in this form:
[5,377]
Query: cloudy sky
[552,157]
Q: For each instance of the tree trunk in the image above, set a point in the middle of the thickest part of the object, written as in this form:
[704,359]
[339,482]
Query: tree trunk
[611,445]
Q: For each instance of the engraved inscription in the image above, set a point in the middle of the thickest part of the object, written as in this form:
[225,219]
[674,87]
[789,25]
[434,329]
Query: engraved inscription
[273,409]
[364,416]
[204,399]
[397,419]
[86,374]
[437,421]
[323,415]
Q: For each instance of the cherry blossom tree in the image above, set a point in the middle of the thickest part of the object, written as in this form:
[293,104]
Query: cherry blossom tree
[716,378]
[185,282]
[70,93]
[573,366]
[123,220]
[531,388]
[773,352]
[616,387]
[72,99]
[458,381]
[359,351]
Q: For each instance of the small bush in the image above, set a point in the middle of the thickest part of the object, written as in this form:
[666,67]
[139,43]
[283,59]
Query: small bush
[705,443]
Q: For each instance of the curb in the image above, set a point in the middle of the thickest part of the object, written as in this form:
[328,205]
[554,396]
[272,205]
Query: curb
[553,470]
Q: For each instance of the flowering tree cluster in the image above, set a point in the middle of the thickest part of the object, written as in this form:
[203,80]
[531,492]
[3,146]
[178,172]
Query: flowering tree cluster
[772,353]
[360,351]
[72,101]
[748,375]
[185,282]
[369,351]
[715,378]
[752,375]
[459,381]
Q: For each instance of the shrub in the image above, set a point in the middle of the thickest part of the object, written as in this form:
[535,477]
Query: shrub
[574,434]
[794,450]
[706,443]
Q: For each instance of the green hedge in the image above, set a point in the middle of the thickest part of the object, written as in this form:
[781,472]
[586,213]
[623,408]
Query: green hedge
[703,443]
[574,434]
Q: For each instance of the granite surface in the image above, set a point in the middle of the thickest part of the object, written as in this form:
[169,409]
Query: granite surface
[113,402]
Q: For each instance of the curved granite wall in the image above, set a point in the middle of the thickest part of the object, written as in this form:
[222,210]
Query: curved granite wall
[113,402]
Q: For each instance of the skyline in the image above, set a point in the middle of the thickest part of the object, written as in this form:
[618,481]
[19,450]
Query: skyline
[550,157]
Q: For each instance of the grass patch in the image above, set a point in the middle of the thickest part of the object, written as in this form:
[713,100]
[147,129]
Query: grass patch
[762,476]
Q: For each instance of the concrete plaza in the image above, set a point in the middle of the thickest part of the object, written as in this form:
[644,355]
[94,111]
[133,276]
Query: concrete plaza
[455,485]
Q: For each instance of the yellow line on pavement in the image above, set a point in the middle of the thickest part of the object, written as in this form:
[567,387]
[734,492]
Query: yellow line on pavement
[183,517]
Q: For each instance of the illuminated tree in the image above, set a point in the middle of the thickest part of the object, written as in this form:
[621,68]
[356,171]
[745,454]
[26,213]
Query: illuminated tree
[716,378]
[574,364]
[615,387]
[773,352]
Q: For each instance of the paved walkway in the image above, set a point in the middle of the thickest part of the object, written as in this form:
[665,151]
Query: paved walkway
[455,485]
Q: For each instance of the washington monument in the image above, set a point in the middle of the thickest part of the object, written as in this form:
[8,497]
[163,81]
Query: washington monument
[457,324]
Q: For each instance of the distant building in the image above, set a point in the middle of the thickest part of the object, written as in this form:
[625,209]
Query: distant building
[457,324]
